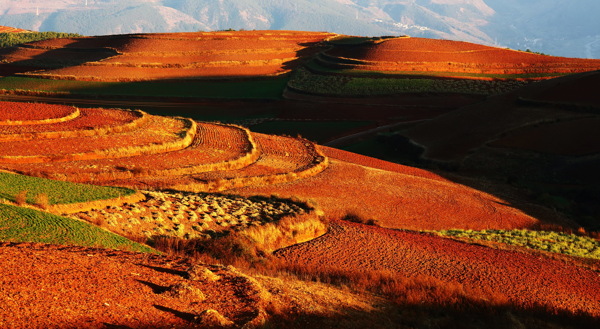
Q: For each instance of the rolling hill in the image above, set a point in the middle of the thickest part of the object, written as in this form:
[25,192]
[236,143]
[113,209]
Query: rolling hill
[392,245]
[550,26]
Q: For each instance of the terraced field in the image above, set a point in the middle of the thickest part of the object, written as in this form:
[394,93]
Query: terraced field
[528,280]
[8,29]
[167,56]
[138,150]
[428,55]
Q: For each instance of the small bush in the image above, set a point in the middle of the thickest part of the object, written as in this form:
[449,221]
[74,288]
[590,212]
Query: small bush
[21,198]
[42,201]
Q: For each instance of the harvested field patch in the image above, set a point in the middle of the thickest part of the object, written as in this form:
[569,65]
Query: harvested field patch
[556,242]
[528,280]
[190,215]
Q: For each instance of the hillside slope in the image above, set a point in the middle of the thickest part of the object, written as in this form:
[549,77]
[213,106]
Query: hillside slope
[550,26]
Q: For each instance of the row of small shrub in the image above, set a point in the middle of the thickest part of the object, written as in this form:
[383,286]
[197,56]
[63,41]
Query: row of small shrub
[13,39]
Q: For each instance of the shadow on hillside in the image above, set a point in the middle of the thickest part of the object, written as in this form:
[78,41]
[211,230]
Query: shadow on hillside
[231,99]
[73,54]
[402,316]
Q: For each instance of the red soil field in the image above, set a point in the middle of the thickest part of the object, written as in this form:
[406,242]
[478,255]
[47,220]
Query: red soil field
[399,200]
[206,57]
[171,56]
[527,279]
[379,164]
[124,73]
[16,111]
[213,144]
[157,131]
[454,135]
[420,54]
[278,155]
[574,137]
[299,36]
[578,90]
[45,286]
[41,57]
[8,29]
[100,119]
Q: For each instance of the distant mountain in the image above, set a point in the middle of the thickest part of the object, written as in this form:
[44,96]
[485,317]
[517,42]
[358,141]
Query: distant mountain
[557,27]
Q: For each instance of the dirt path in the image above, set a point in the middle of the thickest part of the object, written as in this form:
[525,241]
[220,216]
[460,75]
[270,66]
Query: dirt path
[526,279]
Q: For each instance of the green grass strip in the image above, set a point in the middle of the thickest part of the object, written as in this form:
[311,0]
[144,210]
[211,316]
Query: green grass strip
[58,192]
[556,242]
[19,224]
[351,72]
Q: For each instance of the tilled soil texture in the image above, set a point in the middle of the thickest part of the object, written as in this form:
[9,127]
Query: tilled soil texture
[400,199]
[430,55]
[139,57]
[45,286]
[528,280]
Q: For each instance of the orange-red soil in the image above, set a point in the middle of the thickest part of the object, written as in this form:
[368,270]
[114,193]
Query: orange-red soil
[156,131]
[420,54]
[212,145]
[399,200]
[8,29]
[88,119]
[73,287]
[527,279]
[16,111]
[172,56]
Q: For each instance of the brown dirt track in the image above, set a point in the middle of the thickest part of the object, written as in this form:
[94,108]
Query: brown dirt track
[526,279]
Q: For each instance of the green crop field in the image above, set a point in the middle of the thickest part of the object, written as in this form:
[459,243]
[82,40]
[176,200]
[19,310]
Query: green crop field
[12,39]
[240,89]
[314,66]
[357,85]
[19,224]
[562,243]
[58,192]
